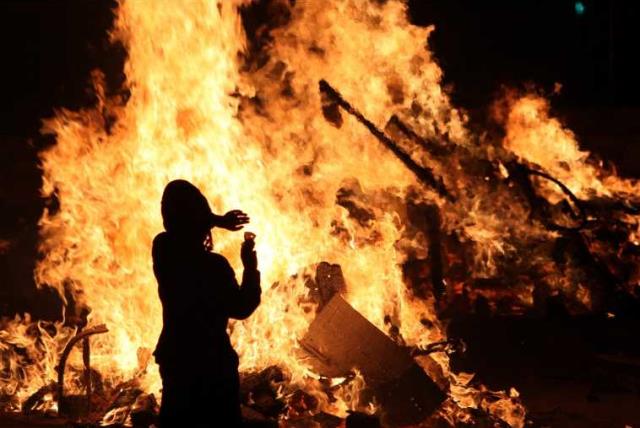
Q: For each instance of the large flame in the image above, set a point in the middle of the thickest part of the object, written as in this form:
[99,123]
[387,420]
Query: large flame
[283,164]
[250,133]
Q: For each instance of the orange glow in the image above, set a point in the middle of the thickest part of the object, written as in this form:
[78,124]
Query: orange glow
[254,137]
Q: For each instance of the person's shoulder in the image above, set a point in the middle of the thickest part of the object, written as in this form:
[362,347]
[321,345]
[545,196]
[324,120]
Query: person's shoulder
[161,238]
[160,242]
[219,260]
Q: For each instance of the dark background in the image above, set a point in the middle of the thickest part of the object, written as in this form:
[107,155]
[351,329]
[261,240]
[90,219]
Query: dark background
[482,44]
[49,47]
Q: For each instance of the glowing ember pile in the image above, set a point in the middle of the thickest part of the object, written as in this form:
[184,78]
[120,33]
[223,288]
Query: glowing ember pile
[243,120]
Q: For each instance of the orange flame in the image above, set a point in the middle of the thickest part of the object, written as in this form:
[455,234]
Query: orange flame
[251,135]
[283,167]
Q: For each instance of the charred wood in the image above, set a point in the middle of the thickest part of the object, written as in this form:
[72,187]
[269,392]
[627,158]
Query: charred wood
[265,379]
[417,276]
[433,370]
[434,148]
[300,404]
[435,249]
[449,346]
[572,249]
[120,407]
[425,175]
[258,391]
[351,197]
[329,281]
[540,208]
[417,272]
[144,411]
[35,401]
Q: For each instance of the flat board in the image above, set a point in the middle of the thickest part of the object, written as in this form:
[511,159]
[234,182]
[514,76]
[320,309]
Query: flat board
[340,340]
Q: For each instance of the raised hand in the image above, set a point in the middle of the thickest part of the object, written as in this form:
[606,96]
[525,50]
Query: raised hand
[233,220]
[248,252]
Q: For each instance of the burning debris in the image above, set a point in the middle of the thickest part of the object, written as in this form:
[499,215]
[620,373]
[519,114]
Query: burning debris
[341,346]
[433,223]
[570,219]
[403,390]
[82,336]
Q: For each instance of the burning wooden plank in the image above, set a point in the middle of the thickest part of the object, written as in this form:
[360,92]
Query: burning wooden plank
[340,340]
[333,98]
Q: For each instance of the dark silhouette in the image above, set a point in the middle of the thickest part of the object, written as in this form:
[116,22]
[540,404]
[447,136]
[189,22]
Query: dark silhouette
[199,293]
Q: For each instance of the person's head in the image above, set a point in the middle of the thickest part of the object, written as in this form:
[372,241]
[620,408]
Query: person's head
[185,210]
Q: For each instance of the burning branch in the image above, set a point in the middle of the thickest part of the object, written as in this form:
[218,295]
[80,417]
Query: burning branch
[434,148]
[424,174]
[522,174]
[518,172]
[84,336]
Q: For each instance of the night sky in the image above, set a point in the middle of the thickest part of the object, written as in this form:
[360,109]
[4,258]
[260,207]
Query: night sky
[483,44]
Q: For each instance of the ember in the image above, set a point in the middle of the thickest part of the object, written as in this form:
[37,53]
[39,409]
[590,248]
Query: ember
[380,214]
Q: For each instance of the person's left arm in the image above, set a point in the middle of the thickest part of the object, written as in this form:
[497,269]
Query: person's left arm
[241,300]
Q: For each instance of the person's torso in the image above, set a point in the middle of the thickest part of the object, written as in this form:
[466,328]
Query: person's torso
[194,317]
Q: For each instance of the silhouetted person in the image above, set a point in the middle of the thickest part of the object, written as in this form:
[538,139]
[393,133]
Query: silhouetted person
[199,293]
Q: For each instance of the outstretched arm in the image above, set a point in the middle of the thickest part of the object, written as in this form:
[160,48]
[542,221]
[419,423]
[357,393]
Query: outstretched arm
[233,220]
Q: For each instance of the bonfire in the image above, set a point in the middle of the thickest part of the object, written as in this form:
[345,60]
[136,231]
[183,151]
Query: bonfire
[378,212]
